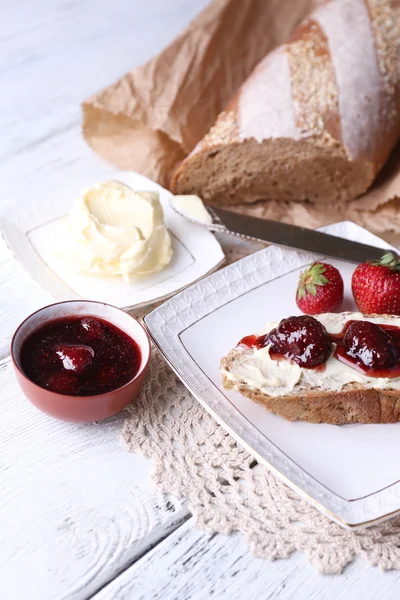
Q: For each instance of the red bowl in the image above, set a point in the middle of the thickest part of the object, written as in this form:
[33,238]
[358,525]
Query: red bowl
[81,409]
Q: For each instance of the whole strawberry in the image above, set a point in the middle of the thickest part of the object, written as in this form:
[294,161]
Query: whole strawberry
[320,289]
[376,286]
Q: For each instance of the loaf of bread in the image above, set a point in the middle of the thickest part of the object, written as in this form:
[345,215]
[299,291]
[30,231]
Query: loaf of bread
[323,402]
[317,118]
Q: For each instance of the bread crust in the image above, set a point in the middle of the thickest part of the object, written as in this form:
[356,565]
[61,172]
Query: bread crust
[353,404]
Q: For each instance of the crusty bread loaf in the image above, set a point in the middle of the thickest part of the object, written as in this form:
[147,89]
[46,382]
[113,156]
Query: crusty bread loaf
[316,119]
[352,404]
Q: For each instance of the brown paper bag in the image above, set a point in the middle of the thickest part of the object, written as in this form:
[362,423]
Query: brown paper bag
[149,120]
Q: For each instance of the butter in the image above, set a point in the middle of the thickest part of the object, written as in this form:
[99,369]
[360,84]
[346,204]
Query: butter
[192,207]
[114,230]
[259,371]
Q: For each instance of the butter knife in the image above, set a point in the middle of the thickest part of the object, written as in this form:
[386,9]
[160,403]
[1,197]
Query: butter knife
[291,236]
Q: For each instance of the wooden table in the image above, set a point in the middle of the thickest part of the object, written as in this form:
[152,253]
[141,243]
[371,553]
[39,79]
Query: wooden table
[79,517]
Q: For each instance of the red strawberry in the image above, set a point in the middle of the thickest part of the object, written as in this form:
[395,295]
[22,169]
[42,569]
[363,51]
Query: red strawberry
[75,358]
[376,286]
[320,289]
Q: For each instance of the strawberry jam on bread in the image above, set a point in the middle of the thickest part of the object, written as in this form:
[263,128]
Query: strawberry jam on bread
[335,368]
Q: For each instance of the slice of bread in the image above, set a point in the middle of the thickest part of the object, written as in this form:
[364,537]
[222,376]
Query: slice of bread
[353,403]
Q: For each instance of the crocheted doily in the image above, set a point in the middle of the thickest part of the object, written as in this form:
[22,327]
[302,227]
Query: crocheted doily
[226,490]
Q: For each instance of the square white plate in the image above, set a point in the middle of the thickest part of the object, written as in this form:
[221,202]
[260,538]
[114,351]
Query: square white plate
[352,472]
[30,227]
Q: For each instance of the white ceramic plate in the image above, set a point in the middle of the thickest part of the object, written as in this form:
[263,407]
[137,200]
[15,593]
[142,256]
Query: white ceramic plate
[30,226]
[352,472]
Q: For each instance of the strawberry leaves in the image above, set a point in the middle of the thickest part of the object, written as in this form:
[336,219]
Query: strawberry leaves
[390,260]
[310,279]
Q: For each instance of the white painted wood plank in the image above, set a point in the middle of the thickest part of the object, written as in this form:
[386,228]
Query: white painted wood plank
[191,565]
[55,54]
[76,508]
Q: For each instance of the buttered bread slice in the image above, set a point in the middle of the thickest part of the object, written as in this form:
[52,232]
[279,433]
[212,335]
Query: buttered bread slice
[334,368]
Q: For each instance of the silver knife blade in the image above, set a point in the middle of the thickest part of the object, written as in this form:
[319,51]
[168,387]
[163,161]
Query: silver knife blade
[300,238]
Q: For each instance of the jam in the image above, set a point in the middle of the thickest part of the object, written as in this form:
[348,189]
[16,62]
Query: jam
[303,340]
[372,349]
[387,346]
[80,356]
[253,341]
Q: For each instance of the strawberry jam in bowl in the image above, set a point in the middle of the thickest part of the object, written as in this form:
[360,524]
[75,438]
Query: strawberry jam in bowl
[80,361]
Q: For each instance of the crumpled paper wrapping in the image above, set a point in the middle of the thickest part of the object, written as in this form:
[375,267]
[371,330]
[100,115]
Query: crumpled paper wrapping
[149,120]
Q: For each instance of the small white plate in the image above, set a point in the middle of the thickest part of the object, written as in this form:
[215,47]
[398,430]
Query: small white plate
[351,473]
[30,226]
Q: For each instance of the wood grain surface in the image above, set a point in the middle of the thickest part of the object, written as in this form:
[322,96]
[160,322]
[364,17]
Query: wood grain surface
[192,565]
[79,517]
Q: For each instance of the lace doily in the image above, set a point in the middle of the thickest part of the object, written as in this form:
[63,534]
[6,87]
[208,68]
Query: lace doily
[226,490]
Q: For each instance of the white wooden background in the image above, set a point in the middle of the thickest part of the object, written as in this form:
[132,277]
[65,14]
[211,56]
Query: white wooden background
[78,515]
